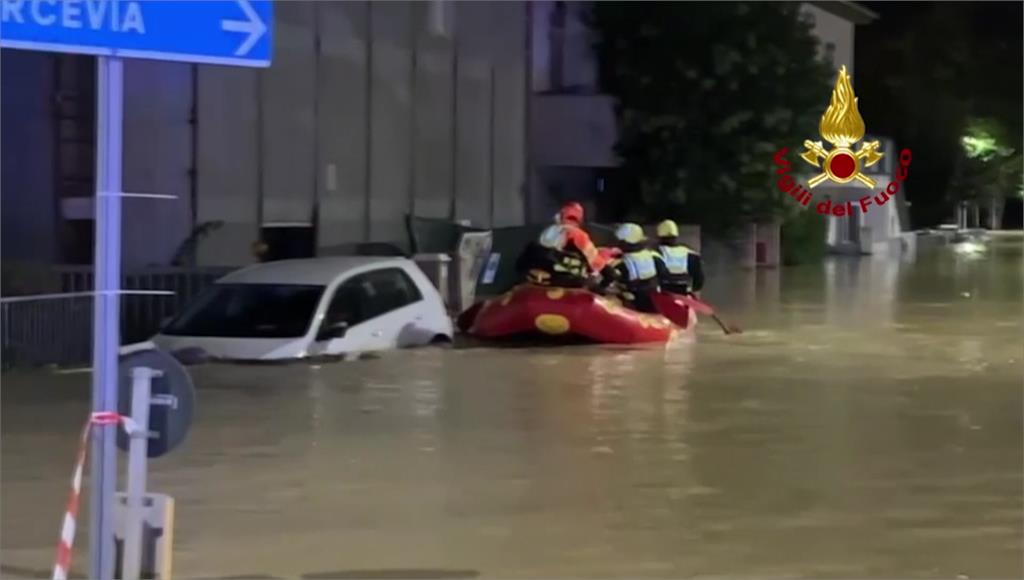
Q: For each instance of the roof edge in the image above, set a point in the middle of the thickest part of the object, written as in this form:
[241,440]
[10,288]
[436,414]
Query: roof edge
[852,11]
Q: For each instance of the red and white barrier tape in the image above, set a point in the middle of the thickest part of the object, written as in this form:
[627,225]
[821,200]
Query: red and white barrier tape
[67,532]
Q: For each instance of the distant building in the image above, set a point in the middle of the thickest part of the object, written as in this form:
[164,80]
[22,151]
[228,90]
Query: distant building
[573,126]
[880,228]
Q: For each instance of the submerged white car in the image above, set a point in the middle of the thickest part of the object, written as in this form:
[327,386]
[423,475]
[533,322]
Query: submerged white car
[296,309]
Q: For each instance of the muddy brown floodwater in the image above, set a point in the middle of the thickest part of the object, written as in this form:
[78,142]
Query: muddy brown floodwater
[868,424]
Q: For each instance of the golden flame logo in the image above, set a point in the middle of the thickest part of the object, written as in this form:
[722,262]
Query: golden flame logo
[842,126]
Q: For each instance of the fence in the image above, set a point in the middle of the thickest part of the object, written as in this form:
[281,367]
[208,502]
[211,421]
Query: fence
[59,331]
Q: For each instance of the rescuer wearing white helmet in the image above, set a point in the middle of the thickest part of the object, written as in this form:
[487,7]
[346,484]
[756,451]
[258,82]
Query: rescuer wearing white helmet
[684,266]
[639,269]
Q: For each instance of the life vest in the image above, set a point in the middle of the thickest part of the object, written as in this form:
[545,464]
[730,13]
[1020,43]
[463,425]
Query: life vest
[676,259]
[554,237]
[573,246]
[640,266]
[561,257]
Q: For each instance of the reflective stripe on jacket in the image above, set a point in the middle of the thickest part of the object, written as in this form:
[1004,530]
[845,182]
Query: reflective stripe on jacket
[561,236]
[676,258]
[640,266]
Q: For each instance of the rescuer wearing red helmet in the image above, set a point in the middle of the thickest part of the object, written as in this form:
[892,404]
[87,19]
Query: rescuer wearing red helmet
[564,254]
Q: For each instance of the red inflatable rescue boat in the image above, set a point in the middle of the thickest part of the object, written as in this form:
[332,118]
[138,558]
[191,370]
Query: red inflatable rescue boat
[530,309]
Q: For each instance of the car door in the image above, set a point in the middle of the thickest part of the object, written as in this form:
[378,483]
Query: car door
[376,306]
[394,306]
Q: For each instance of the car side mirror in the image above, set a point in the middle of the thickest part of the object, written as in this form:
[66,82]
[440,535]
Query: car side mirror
[336,330]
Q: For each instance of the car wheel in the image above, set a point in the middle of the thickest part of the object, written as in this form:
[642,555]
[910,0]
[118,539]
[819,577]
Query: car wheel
[442,340]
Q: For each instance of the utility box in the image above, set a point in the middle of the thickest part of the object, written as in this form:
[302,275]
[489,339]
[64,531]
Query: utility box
[471,254]
[157,535]
[436,267]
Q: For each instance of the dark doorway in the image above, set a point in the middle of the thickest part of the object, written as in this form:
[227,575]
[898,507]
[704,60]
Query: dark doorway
[1013,214]
[287,242]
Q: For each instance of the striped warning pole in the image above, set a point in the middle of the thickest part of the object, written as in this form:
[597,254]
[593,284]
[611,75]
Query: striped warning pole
[67,532]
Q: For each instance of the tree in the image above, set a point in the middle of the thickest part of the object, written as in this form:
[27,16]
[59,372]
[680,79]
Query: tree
[988,169]
[934,66]
[706,93]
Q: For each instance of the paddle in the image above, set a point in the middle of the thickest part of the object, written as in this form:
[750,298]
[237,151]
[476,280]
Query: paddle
[704,308]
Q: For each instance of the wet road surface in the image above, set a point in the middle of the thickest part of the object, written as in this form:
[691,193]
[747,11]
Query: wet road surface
[867,424]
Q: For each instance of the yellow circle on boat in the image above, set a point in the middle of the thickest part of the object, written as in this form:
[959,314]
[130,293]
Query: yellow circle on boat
[552,324]
[556,293]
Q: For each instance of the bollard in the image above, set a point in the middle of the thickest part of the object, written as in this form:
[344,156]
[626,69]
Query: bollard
[157,534]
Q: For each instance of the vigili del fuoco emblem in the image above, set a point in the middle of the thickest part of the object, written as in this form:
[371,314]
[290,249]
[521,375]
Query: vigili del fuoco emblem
[843,127]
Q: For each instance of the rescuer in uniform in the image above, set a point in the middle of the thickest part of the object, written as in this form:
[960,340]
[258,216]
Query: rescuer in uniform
[684,267]
[563,254]
[639,270]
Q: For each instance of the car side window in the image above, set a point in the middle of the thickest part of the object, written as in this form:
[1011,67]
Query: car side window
[367,296]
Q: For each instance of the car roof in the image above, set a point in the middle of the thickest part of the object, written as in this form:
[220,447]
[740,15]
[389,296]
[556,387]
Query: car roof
[320,271]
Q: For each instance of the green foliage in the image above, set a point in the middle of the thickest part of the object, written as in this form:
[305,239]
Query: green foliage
[987,167]
[706,93]
[803,237]
[985,140]
[933,66]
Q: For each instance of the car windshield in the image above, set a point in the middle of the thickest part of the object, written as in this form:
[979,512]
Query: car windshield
[249,311]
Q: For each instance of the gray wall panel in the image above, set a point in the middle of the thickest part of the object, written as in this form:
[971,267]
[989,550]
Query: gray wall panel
[434,129]
[341,130]
[273,142]
[509,145]
[228,174]
[390,174]
[289,158]
[157,158]
[510,114]
[474,140]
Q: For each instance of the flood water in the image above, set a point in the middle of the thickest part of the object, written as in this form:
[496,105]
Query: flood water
[868,424]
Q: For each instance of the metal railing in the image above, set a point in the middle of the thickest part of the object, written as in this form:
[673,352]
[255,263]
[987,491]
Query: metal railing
[59,331]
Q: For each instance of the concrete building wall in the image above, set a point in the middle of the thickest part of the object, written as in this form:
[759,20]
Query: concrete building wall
[509,105]
[835,32]
[343,127]
[157,159]
[390,118]
[369,112]
[574,130]
[473,113]
[288,106]
[434,126]
[228,178]
[563,58]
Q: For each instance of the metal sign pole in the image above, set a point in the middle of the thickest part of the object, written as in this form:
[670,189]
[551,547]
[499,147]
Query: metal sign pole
[106,311]
[131,564]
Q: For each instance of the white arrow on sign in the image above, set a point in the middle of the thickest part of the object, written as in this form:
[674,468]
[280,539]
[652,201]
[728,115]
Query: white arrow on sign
[252,26]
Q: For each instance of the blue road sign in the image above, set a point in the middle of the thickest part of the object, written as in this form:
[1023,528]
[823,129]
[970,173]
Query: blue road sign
[172,396]
[231,32]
